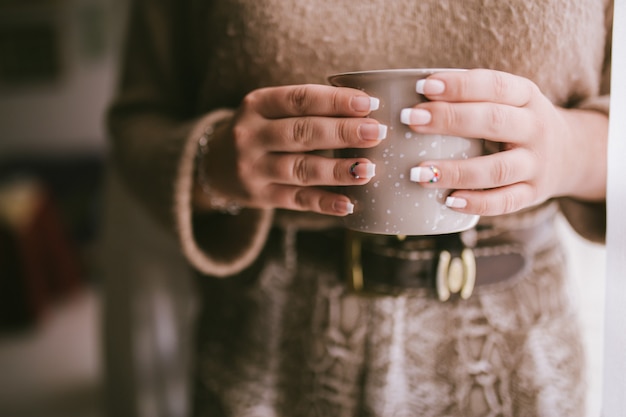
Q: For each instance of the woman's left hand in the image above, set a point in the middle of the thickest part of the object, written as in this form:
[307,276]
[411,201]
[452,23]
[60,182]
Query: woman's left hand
[547,151]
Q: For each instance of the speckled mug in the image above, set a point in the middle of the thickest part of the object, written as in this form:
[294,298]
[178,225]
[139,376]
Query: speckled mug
[390,203]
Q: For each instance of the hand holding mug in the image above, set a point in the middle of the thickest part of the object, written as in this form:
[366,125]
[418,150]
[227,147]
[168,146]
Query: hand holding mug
[546,151]
[264,157]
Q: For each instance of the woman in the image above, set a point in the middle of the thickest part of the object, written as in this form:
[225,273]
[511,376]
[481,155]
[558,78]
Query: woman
[222,126]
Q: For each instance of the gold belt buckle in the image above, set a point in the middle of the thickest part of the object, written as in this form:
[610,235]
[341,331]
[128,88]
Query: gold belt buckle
[353,255]
[456,275]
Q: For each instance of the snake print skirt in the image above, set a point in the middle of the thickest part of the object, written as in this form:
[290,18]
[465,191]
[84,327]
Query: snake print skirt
[286,338]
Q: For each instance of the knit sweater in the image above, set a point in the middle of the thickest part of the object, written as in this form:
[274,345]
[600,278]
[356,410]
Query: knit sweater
[187,61]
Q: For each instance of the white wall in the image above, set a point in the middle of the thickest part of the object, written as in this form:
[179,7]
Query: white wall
[587,265]
[614,400]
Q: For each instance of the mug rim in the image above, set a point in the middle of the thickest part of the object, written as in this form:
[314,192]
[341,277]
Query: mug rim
[391,72]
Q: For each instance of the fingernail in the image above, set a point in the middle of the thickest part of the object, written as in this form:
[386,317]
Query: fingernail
[343,207]
[456,202]
[361,103]
[427,86]
[363,170]
[415,116]
[371,131]
[425,174]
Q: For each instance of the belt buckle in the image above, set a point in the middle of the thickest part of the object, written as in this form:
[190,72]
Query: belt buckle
[355,276]
[354,267]
[456,275]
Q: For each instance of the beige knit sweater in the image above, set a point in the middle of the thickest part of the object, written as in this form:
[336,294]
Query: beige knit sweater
[185,60]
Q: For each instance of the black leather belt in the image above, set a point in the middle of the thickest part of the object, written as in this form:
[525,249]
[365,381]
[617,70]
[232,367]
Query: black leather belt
[447,266]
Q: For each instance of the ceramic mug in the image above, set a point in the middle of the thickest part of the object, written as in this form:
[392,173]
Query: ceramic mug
[391,203]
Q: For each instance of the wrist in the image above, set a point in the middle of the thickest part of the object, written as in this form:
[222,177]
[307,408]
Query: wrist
[589,136]
[205,194]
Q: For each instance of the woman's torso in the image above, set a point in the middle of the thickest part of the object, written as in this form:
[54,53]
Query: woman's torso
[244,44]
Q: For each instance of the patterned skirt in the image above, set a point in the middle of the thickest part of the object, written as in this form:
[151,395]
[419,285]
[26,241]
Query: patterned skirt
[286,338]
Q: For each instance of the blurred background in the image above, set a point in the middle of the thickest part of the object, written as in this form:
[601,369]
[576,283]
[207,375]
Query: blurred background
[58,66]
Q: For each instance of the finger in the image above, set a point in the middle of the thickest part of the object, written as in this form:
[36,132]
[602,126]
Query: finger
[493,202]
[311,170]
[479,85]
[311,199]
[301,134]
[310,99]
[489,171]
[495,122]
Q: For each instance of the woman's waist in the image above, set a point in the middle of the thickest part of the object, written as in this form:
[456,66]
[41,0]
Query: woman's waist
[490,255]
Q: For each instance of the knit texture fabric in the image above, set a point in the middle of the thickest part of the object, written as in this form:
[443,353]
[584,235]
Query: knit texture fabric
[185,59]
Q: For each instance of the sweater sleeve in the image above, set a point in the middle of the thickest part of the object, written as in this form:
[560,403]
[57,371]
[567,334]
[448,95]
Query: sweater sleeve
[589,218]
[153,129]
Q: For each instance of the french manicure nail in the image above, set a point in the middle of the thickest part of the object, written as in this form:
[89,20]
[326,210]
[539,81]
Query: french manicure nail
[368,104]
[415,116]
[374,103]
[371,131]
[421,174]
[427,86]
[343,207]
[456,202]
[425,174]
[363,170]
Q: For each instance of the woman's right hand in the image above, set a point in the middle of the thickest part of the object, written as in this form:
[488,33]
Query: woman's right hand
[263,158]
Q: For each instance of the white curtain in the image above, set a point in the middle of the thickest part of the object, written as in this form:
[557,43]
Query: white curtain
[614,386]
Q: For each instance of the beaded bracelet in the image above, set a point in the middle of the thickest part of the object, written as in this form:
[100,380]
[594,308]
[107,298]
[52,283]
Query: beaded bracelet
[221,204]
